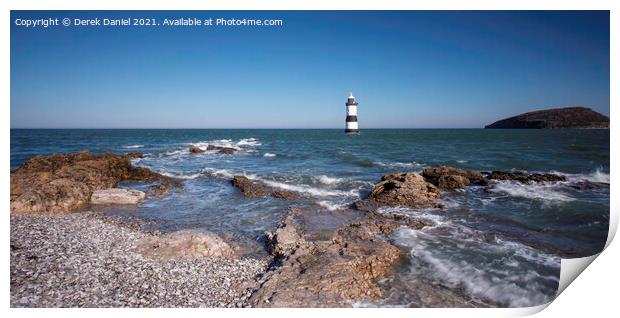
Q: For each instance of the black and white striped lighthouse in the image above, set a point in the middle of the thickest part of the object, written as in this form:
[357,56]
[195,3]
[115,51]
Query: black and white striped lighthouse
[351,121]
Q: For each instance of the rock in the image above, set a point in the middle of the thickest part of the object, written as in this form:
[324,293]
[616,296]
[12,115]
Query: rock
[134,155]
[287,237]
[117,196]
[452,178]
[252,189]
[524,177]
[452,182]
[224,150]
[184,244]
[328,273]
[56,196]
[570,117]
[404,189]
[65,182]
[193,149]
[159,190]
[249,188]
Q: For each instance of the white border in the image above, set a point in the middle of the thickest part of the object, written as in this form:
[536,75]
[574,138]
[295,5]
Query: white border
[594,294]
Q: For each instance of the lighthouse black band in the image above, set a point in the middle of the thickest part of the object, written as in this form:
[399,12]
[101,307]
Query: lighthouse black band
[351,118]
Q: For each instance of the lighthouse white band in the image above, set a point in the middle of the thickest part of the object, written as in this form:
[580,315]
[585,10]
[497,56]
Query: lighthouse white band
[352,125]
[351,110]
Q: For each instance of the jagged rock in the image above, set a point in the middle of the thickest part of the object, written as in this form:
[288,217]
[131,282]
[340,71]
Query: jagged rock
[134,155]
[404,189]
[54,196]
[249,188]
[193,149]
[117,196]
[525,177]
[287,237]
[224,150]
[184,244]
[252,189]
[65,182]
[328,273]
[452,182]
[452,178]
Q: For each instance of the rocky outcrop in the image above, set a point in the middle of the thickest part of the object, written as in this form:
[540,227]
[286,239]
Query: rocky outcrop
[570,117]
[194,149]
[406,190]
[287,237]
[330,273]
[62,183]
[224,150]
[117,196]
[525,177]
[453,178]
[184,244]
[253,189]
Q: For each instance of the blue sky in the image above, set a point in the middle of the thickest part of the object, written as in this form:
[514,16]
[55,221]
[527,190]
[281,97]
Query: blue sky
[417,69]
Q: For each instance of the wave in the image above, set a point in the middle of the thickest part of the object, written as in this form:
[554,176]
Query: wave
[461,258]
[302,188]
[597,176]
[252,142]
[133,146]
[181,175]
[331,206]
[221,173]
[329,180]
[268,154]
[541,191]
[412,164]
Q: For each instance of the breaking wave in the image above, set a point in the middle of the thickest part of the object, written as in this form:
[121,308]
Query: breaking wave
[412,164]
[268,154]
[133,146]
[540,191]
[460,257]
[329,180]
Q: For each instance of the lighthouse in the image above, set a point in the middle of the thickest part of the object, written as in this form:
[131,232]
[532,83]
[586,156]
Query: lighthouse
[351,121]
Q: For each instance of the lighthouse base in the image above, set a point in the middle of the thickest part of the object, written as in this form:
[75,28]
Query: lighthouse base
[352,131]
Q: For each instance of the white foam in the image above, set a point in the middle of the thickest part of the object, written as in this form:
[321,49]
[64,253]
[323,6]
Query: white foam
[598,176]
[222,173]
[252,142]
[268,154]
[181,176]
[305,188]
[462,161]
[133,146]
[176,152]
[412,164]
[329,180]
[515,289]
[331,206]
[540,191]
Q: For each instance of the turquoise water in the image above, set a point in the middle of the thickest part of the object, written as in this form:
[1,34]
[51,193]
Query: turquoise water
[500,245]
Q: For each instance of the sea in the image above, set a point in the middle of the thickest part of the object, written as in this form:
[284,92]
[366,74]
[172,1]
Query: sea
[499,245]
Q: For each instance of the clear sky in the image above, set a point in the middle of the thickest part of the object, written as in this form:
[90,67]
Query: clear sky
[407,69]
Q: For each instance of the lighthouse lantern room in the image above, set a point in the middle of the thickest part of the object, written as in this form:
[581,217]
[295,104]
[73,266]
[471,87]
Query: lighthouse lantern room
[351,121]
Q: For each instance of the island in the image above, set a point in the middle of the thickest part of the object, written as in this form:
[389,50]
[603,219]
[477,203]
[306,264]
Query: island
[569,117]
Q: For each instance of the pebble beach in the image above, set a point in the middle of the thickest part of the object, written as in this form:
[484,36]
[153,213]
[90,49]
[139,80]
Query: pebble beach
[87,260]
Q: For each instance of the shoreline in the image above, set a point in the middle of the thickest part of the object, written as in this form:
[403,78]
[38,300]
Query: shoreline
[85,259]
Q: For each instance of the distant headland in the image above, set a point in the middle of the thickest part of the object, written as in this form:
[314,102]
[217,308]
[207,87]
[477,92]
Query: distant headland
[569,117]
